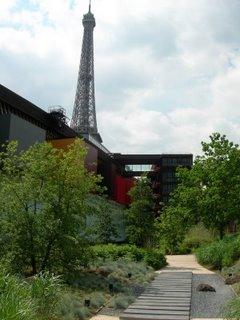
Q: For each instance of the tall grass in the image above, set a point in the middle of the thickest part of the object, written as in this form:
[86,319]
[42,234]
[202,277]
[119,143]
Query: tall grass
[45,290]
[15,299]
[36,298]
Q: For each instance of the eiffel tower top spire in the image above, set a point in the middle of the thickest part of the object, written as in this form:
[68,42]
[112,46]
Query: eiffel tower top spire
[90,5]
[84,113]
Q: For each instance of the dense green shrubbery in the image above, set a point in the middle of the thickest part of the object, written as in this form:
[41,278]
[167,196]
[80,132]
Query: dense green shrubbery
[221,253]
[115,252]
[196,237]
[152,257]
[155,259]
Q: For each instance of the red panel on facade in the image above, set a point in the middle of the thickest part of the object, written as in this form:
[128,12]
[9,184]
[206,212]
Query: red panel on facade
[123,185]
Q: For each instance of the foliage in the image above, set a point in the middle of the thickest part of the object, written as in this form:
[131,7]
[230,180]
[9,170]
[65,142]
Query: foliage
[152,257]
[107,214]
[140,218]
[208,193]
[43,206]
[221,181]
[233,269]
[121,301]
[45,290]
[114,252]
[44,296]
[196,237]
[15,298]
[155,259]
[221,253]
[173,224]
[28,300]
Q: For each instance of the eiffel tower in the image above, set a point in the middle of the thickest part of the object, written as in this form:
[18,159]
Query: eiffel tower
[84,119]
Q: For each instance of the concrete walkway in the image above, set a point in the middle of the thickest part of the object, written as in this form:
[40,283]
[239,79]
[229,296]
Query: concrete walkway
[185,263]
[200,300]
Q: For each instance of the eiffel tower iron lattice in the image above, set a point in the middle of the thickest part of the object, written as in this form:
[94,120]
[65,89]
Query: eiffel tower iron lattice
[84,119]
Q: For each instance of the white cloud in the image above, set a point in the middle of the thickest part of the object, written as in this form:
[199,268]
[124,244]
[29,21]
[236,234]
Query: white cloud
[167,71]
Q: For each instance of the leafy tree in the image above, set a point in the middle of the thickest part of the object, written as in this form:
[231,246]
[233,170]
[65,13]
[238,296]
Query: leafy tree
[140,217]
[43,206]
[207,193]
[220,182]
[183,210]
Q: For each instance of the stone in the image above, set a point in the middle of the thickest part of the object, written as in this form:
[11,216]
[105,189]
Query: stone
[203,287]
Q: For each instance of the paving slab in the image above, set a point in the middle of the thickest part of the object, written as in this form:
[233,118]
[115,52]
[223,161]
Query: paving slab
[168,297]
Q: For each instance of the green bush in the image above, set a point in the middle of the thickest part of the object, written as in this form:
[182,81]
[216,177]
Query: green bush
[82,313]
[97,299]
[221,253]
[196,237]
[151,257]
[155,259]
[115,252]
[121,301]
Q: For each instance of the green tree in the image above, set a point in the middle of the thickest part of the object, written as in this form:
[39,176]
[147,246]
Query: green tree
[220,182]
[140,217]
[183,209]
[207,193]
[43,206]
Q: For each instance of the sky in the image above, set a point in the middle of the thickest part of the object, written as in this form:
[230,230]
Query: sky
[167,71]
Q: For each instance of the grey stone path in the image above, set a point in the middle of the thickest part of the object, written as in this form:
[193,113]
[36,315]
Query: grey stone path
[168,297]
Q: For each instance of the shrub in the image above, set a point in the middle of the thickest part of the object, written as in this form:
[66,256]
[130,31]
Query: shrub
[70,308]
[97,299]
[196,237]
[234,269]
[121,301]
[82,313]
[65,307]
[151,257]
[221,253]
[114,252]
[155,259]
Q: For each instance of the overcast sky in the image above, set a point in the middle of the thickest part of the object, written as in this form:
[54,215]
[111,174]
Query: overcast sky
[167,71]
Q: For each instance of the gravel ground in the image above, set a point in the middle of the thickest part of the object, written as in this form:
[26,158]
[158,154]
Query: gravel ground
[209,304]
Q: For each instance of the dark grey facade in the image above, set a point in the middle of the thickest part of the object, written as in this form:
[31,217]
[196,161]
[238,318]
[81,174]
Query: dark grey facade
[23,121]
[14,128]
